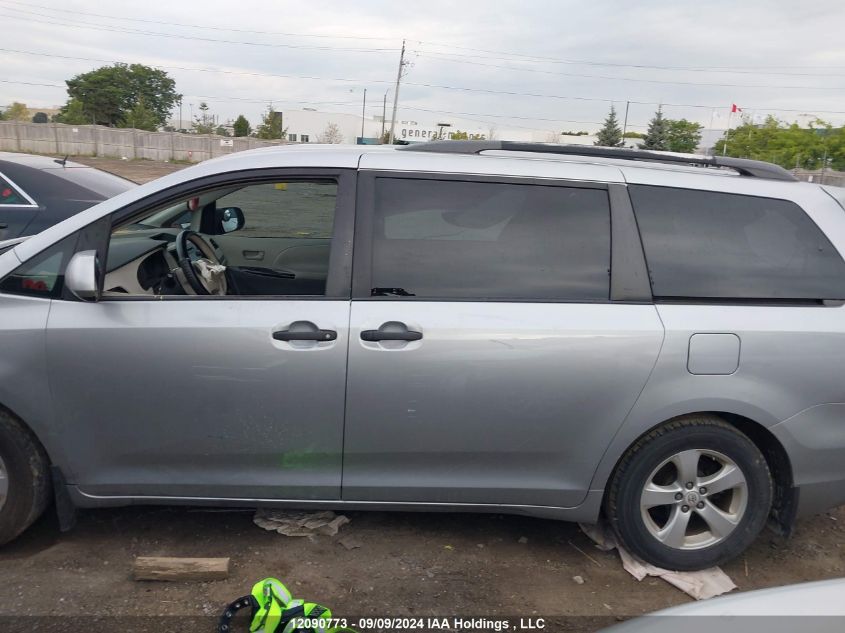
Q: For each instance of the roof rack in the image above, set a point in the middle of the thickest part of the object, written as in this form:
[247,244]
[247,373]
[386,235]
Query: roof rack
[743,166]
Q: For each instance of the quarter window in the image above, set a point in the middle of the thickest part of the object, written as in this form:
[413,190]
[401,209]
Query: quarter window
[43,275]
[483,240]
[703,244]
[12,195]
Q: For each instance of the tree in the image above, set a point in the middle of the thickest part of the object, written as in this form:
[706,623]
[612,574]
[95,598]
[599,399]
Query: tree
[109,93]
[610,135]
[203,122]
[17,112]
[241,126]
[458,135]
[40,117]
[787,145]
[657,135]
[221,131]
[331,134]
[271,125]
[73,113]
[684,136]
[141,118]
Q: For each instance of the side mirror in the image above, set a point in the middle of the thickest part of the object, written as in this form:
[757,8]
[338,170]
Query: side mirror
[231,219]
[81,276]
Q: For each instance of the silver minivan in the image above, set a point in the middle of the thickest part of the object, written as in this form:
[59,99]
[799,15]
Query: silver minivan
[565,332]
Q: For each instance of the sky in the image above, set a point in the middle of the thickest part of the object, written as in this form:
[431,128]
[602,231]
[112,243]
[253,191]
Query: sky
[539,64]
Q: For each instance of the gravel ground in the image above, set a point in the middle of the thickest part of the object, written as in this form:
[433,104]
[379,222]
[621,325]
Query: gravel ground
[407,564]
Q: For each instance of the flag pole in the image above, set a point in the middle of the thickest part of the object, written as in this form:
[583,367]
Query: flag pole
[727,132]
[710,129]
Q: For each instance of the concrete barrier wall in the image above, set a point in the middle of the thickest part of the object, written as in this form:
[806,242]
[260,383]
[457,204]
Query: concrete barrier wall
[97,140]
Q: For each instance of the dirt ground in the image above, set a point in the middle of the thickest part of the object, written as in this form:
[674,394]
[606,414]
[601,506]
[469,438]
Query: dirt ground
[407,564]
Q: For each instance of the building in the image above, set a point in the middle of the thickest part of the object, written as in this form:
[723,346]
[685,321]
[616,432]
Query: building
[310,125]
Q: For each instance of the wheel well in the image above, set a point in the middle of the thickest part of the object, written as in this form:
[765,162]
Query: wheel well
[784,498]
[27,428]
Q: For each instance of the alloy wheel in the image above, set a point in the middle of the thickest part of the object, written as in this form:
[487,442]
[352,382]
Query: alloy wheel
[694,499]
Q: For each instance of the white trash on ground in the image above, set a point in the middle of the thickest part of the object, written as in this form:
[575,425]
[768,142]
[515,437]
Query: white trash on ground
[701,585]
[294,523]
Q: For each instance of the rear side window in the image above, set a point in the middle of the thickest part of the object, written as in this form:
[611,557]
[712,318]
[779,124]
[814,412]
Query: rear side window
[703,244]
[12,195]
[483,240]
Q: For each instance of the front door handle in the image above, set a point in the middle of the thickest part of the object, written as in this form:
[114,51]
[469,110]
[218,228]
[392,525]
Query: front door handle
[382,335]
[313,335]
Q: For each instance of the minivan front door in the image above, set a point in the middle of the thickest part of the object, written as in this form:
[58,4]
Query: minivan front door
[488,365]
[238,396]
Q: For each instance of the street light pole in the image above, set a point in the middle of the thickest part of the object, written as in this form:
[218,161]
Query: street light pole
[383,115]
[396,94]
[625,124]
[363,115]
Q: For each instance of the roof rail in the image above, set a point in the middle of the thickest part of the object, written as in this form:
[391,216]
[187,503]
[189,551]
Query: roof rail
[743,166]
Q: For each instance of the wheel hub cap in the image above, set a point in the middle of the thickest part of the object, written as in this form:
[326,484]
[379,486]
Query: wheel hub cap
[694,499]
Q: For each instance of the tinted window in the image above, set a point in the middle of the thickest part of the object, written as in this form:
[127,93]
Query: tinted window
[455,239]
[43,275]
[11,194]
[719,245]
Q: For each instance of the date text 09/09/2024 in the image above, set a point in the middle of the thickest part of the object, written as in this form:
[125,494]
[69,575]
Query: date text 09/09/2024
[424,624]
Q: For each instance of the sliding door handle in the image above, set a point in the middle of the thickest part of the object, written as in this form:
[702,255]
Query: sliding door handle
[382,335]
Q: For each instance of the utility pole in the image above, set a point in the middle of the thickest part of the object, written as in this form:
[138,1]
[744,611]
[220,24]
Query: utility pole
[625,124]
[363,115]
[383,116]
[396,94]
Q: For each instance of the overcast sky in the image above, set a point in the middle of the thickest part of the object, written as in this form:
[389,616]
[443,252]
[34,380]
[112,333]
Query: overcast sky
[574,56]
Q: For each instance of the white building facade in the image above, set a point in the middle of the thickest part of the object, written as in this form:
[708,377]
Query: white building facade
[310,126]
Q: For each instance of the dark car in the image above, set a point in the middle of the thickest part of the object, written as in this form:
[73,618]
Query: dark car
[39,191]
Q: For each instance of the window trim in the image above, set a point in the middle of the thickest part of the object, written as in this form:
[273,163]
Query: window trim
[619,249]
[340,263]
[32,204]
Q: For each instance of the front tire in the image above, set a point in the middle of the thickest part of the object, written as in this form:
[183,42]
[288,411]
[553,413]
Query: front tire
[24,478]
[693,493]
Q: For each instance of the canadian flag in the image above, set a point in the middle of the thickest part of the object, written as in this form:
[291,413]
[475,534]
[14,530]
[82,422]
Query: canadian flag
[735,108]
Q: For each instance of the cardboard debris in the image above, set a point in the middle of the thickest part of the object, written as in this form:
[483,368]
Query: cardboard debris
[294,523]
[701,585]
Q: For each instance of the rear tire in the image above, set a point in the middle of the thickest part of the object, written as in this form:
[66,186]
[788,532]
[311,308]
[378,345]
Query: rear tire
[693,493]
[24,478]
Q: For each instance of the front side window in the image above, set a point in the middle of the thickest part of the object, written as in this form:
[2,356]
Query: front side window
[484,240]
[704,244]
[264,239]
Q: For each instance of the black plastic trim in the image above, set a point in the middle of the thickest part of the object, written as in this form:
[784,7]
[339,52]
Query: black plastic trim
[629,279]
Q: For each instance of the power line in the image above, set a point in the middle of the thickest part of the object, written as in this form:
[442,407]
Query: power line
[204,70]
[458,88]
[100,27]
[197,26]
[511,56]
[635,79]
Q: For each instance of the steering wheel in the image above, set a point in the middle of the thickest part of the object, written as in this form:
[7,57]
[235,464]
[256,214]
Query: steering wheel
[203,275]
